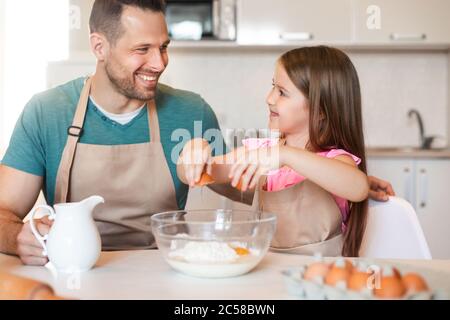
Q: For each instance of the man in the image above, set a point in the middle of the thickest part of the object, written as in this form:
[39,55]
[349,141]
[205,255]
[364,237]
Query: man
[108,135]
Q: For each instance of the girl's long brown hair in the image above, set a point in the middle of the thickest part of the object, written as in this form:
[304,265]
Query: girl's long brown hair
[329,81]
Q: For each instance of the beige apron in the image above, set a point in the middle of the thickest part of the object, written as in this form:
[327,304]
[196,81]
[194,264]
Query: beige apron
[135,181]
[308,219]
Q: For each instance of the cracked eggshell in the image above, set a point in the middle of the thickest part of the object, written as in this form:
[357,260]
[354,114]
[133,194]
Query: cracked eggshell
[205,180]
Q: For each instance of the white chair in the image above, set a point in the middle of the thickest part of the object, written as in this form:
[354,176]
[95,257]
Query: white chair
[393,232]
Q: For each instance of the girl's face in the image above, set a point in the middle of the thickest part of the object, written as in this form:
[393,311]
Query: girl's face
[288,106]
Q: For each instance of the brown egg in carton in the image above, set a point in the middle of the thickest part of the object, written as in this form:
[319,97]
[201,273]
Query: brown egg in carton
[345,280]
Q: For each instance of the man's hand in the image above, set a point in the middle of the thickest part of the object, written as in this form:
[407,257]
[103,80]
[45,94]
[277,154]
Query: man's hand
[29,249]
[380,190]
[196,155]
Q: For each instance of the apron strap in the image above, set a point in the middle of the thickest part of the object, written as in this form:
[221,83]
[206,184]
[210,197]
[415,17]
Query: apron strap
[74,133]
[153,121]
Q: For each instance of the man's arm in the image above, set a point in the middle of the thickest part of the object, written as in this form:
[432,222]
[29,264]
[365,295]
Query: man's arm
[380,190]
[18,194]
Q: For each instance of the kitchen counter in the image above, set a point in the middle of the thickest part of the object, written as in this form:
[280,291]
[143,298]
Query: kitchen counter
[145,275]
[408,153]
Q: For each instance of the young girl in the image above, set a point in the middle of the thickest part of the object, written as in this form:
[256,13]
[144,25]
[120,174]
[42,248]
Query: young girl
[314,177]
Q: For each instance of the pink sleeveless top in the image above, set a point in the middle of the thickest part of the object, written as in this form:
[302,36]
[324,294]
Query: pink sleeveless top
[286,177]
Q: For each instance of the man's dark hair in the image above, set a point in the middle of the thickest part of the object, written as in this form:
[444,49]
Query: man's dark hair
[106,15]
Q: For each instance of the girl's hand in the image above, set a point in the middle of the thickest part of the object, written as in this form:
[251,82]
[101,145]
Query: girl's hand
[196,155]
[252,164]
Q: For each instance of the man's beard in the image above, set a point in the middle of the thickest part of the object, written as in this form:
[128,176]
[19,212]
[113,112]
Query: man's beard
[126,86]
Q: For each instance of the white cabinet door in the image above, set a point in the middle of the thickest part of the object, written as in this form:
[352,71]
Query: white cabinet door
[433,204]
[271,22]
[413,21]
[399,172]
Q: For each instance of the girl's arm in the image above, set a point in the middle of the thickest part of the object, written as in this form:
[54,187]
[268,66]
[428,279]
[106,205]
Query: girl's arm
[221,165]
[339,176]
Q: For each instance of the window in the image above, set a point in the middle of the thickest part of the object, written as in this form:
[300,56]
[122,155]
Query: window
[34,33]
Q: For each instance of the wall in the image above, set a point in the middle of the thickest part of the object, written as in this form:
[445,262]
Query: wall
[2,39]
[235,82]
[80,36]
[448,95]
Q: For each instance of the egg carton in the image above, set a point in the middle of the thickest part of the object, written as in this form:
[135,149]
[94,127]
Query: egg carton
[316,290]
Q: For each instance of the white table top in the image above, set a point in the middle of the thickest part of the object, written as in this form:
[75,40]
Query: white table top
[145,275]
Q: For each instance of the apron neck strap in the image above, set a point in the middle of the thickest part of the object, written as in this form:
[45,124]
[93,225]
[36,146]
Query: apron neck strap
[80,113]
[153,121]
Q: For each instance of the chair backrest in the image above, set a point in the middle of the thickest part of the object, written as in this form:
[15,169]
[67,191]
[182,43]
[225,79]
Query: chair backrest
[393,232]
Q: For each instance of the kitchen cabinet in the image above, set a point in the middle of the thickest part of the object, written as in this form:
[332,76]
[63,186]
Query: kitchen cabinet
[402,21]
[272,22]
[348,22]
[399,172]
[432,204]
[423,183]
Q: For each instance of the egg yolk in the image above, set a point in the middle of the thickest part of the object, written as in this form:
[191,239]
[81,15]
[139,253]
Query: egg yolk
[242,251]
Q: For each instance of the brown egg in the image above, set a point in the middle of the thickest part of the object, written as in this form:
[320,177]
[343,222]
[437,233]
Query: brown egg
[390,287]
[317,269]
[205,180]
[358,280]
[414,283]
[340,271]
[396,272]
[349,265]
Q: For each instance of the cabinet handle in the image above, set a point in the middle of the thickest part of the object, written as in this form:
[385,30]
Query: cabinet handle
[408,184]
[423,187]
[408,37]
[296,36]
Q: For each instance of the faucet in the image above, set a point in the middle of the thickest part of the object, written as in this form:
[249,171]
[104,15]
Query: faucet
[425,142]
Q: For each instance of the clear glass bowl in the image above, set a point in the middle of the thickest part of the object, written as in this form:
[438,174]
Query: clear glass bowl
[213,243]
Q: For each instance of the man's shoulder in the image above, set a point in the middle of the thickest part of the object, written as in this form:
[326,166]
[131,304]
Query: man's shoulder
[186,98]
[61,97]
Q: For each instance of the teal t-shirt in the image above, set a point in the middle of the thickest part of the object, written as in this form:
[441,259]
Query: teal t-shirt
[40,134]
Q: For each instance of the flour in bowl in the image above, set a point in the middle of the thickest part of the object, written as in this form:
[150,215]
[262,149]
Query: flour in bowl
[212,259]
[205,252]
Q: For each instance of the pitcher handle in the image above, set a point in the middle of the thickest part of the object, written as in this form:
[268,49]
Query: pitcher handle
[39,237]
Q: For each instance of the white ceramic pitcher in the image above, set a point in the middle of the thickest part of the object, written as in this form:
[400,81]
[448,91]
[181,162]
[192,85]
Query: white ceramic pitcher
[73,243]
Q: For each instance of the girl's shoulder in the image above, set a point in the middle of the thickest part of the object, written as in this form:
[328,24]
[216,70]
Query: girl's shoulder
[256,143]
[333,153]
